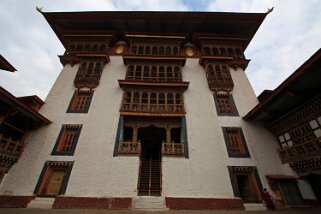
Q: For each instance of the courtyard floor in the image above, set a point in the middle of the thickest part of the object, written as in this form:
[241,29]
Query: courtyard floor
[89,211]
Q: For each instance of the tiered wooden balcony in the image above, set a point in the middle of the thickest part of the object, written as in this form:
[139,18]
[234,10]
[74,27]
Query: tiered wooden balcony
[86,81]
[173,149]
[301,151]
[153,109]
[129,148]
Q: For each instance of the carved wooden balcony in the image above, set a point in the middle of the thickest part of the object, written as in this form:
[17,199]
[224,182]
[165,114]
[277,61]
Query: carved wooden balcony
[10,151]
[154,79]
[86,81]
[153,108]
[129,148]
[300,151]
[173,149]
[221,84]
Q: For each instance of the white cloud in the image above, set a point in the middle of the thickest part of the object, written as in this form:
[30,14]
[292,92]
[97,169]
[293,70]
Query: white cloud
[287,37]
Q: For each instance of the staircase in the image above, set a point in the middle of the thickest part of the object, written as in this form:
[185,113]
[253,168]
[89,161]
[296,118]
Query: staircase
[41,203]
[254,207]
[150,178]
[149,203]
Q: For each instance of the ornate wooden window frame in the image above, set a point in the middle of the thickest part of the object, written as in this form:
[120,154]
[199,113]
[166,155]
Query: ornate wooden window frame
[80,101]
[72,137]
[154,72]
[244,152]
[48,168]
[155,49]
[245,170]
[230,104]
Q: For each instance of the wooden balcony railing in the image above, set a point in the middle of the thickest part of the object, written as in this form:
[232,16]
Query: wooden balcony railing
[129,148]
[153,108]
[300,151]
[9,146]
[155,79]
[87,81]
[173,149]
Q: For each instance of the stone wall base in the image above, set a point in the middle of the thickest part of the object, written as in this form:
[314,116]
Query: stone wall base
[15,201]
[204,203]
[62,202]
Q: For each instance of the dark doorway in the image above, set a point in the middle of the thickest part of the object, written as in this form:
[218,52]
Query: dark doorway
[291,192]
[151,139]
[315,182]
[248,188]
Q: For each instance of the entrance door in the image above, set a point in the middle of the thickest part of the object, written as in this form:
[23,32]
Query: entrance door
[247,188]
[150,161]
[55,182]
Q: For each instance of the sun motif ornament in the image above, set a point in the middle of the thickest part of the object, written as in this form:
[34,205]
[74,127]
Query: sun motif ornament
[189,52]
[120,49]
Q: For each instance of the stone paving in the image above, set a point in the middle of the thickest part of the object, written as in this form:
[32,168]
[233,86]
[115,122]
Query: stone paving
[89,211]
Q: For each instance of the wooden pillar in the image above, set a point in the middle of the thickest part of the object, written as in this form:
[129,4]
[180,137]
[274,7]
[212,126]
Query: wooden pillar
[168,134]
[135,133]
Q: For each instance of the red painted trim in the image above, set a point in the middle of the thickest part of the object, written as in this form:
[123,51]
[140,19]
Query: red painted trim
[15,201]
[62,202]
[204,203]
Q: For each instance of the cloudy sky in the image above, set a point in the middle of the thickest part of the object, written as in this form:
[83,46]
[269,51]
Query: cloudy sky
[286,39]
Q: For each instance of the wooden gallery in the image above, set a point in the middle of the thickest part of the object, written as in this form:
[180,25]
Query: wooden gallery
[153,110]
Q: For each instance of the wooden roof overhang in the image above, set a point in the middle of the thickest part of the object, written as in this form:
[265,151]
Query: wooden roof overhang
[154,59]
[122,23]
[299,87]
[161,85]
[5,65]
[10,102]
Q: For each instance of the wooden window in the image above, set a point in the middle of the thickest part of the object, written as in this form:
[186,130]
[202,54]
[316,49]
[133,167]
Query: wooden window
[88,74]
[225,105]
[80,101]
[316,127]
[161,50]
[67,140]
[235,142]
[285,141]
[175,51]
[53,179]
[134,49]
[219,77]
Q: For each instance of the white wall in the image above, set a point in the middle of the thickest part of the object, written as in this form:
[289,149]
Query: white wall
[205,173]
[95,172]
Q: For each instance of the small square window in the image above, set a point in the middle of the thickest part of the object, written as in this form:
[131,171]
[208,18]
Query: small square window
[67,140]
[235,142]
[80,101]
[313,124]
[225,105]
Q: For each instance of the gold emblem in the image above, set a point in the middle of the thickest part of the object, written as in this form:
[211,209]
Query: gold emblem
[189,52]
[120,49]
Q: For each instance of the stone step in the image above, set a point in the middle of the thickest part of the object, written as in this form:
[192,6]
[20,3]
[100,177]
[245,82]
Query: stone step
[41,203]
[254,207]
[149,203]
